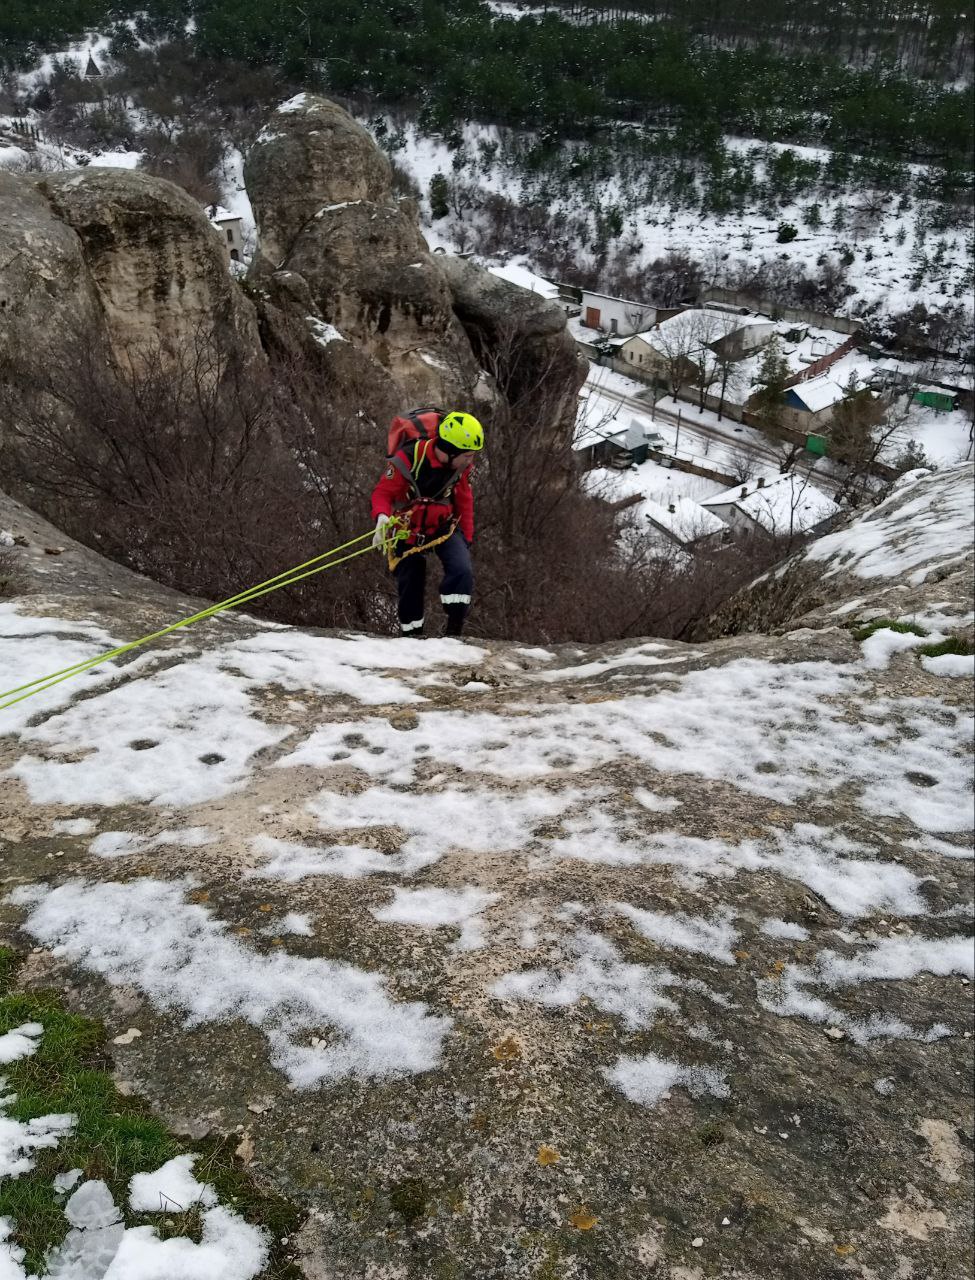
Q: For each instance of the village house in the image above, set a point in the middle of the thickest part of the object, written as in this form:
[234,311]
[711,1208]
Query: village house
[230,229]
[685,522]
[782,506]
[674,345]
[809,405]
[604,315]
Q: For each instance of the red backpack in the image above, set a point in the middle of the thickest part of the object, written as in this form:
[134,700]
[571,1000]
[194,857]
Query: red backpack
[418,424]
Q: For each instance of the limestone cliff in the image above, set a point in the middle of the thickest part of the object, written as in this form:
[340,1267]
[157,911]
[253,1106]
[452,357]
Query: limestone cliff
[649,960]
[156,264]
[323,198]
[343,277]
[118,254]
[43,275]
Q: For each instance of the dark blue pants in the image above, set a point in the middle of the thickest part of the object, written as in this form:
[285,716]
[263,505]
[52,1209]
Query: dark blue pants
[455,589]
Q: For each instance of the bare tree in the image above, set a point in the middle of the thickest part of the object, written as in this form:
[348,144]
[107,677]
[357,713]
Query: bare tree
[783,506]
[181,468]
[863,428]
[788,452]
[730,378]
[742,465]
[677,344]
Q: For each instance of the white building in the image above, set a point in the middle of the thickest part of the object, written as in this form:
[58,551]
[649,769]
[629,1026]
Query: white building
[685,521]
[686,332]
[783,506]
[615,316]
[608,433]
[230,228]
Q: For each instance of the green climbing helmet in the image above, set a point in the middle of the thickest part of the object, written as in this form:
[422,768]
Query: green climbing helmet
[463,431]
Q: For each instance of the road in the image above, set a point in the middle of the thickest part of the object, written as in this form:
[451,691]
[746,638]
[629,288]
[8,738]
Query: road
[697,437]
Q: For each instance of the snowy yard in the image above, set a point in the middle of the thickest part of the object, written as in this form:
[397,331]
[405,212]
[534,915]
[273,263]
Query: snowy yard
[945,436]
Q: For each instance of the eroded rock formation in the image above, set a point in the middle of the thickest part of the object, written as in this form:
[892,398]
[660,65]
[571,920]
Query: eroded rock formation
[44,279]
[114,254]
[342,276]
[155,262]
[437,329]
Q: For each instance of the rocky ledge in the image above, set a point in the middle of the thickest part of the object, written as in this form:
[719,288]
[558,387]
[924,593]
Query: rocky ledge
[642,961]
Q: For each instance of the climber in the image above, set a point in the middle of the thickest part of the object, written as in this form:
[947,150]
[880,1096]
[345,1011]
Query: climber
[423,503]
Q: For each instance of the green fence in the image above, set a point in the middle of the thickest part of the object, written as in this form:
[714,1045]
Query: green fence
[935,400]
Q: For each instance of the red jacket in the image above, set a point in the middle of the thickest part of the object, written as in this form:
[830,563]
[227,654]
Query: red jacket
[393,494]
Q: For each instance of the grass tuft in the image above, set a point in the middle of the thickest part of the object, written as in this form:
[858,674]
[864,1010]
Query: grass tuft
[115,1136]
[954,644]
[10,580]
[865,631]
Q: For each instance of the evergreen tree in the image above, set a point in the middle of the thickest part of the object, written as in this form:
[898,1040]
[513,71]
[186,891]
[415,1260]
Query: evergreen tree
[768,401]
[439,196]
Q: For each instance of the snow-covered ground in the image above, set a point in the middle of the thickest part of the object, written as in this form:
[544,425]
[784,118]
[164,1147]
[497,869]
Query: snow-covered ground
[235,197]
[945,435]
[93,45]
[47,155]
[408,865]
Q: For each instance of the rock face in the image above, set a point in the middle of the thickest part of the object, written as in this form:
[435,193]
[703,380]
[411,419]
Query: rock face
[44,279]
[372,276]
[520,336]
[343,277]
[312,154]
[154,260]
[444,332]
[118,256]
[644,960]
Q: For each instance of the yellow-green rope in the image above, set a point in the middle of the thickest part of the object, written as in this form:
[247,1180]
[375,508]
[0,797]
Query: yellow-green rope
[285,579]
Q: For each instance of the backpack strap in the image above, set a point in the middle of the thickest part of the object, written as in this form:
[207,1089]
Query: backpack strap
[405,471]
[410,472]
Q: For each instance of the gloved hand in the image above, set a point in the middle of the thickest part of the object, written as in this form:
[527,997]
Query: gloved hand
[381,537]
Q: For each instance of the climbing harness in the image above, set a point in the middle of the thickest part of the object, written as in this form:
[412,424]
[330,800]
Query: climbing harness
[422,544]
[286,579]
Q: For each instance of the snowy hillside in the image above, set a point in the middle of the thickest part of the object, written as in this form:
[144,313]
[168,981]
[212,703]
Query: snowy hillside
[862,236]
[893,256]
